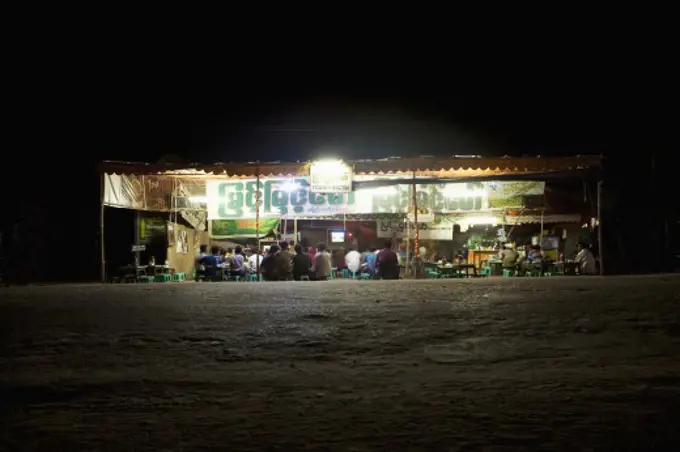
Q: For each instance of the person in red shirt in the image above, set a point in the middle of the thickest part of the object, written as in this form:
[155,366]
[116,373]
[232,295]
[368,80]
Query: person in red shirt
[387,263]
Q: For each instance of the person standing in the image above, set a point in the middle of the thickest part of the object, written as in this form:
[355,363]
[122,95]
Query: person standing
[237,262]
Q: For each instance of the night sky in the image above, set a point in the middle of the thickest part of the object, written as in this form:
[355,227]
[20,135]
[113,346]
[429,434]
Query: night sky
[142,115]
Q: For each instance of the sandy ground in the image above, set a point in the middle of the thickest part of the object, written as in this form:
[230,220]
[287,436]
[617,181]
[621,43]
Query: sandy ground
[497,364]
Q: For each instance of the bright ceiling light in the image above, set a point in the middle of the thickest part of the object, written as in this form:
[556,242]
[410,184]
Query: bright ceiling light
[290,186]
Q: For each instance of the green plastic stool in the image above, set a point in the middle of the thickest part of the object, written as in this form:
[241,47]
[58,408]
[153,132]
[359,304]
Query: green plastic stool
[163,277]
[345,273]
[179,276]
[507,273]
[485,272]
[533,274]
[365,276]
[145,279]
[252,277]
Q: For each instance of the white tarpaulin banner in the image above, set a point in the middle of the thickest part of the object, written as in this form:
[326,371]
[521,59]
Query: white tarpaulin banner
[388,229]
[286,197]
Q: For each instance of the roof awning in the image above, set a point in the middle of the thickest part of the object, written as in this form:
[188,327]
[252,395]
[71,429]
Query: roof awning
[536,218]
[441,167]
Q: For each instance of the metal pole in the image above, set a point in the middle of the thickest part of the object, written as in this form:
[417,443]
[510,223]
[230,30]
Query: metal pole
[599,225]
[102,248]
[540,240]
[295,231]
[415,218]
[257,219]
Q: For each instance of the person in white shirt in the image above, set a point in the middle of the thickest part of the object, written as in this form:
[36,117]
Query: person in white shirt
[586,260]
[353,260]
[322,263]
[253,261]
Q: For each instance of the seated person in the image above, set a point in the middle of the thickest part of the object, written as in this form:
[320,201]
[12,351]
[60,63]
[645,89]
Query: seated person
[269,265]
[211,263]
[509,257]
[586,260]
[387,263]
[535,256]
[302,263]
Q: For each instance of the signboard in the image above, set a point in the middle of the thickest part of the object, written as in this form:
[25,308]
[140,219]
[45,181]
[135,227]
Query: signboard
[236,199]
[136,248]
[427,231]
[330,177]
[242,228]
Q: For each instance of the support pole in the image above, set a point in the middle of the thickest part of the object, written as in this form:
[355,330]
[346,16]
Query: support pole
[102,248]
[416,244]
[599,226]
[295,231]
[257,219]
[540,240]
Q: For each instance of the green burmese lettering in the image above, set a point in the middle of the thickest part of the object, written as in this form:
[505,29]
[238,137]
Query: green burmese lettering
[423,199]
[280,200]
[437,201]
[222,200]
[268,195]
[298,199]
[335,198]
[467,203]
[235,203]
[251,195]
[317,199]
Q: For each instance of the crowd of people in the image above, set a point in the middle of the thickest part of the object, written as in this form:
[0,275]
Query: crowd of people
[511,258]
[289,261]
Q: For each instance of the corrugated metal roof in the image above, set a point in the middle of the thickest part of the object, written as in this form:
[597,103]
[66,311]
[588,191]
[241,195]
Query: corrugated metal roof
[430,166]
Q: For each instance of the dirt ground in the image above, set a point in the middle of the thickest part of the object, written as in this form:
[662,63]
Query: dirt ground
[495,364]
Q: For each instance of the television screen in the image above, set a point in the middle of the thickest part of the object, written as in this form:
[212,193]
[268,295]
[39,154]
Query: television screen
[337,236]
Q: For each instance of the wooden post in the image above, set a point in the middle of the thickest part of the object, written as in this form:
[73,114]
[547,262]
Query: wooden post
[599,226]
[257,218]
[102,248]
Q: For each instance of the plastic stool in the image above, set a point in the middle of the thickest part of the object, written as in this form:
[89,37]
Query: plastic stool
[508,272]
[236,278]
[532,274]
[485,272]
[345,273]
[354,275]
[304,278]
[163,277]
[365,276]
[179,276]
[252,277]
[145,279]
